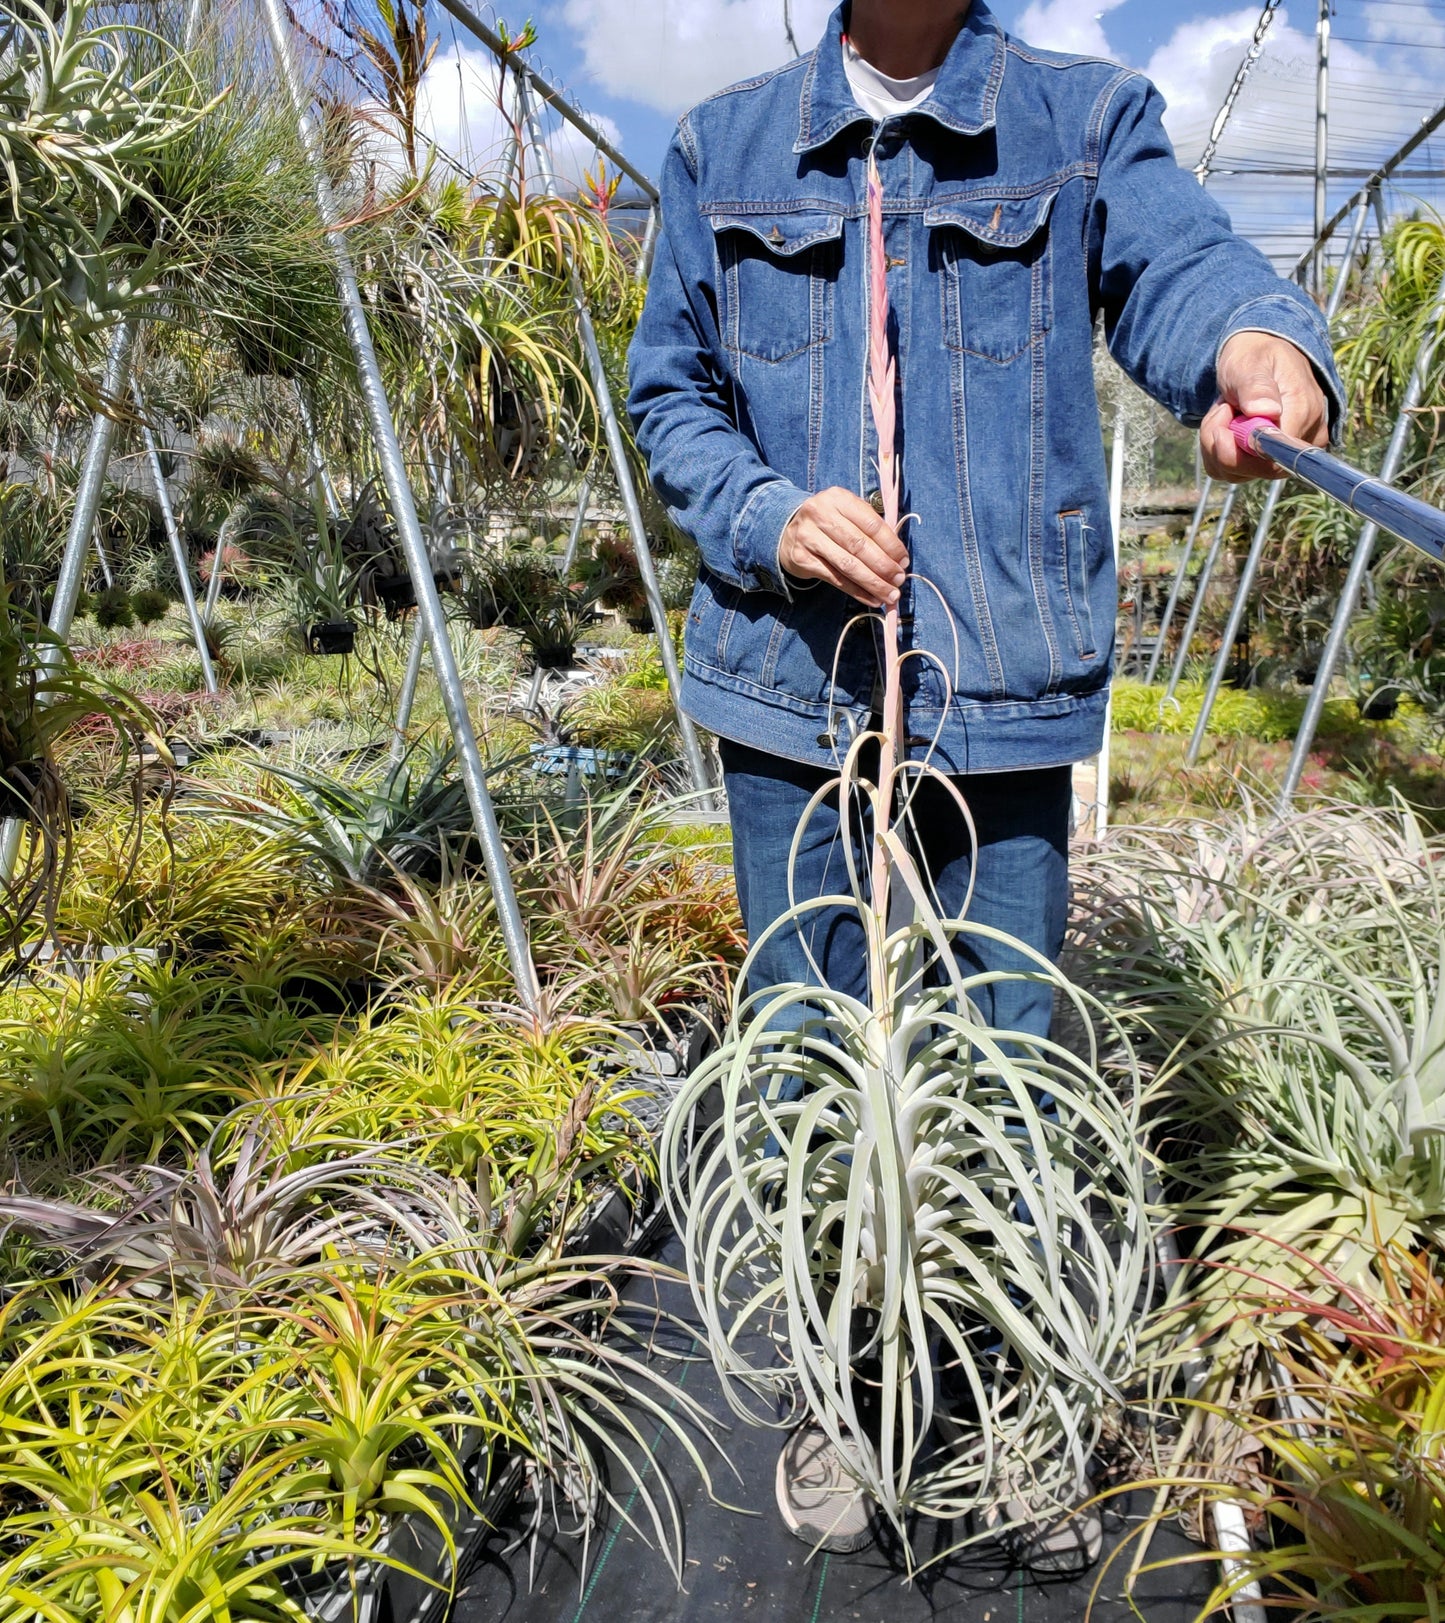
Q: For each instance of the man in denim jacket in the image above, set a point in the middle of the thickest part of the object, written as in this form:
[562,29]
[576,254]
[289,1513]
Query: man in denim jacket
[1025,193]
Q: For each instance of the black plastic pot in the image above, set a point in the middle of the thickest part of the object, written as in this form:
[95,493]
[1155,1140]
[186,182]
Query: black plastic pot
[554,659]
[397,593]
[1380,705]
[20,789]
[641,623]
[331,637]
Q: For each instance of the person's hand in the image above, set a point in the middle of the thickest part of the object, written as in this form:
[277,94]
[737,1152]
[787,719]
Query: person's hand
[836,537]
[1262,376]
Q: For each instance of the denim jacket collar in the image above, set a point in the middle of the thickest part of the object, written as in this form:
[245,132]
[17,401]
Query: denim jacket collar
[964,98]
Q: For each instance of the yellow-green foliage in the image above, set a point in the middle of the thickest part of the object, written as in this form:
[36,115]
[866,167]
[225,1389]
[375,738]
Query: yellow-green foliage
[1256,714]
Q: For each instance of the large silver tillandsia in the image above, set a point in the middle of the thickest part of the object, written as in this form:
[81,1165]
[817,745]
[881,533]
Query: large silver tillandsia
[938,1249]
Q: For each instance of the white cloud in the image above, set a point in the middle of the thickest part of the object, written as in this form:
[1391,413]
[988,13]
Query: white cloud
[459,110]
[1068,25]
[683,50]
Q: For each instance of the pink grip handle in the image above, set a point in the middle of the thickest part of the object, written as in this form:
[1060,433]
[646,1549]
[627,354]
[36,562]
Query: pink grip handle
[1245,428]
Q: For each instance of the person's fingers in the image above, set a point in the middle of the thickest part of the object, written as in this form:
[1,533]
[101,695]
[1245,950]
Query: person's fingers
[1223,458]
[852,574]
[853,510]
[847,537]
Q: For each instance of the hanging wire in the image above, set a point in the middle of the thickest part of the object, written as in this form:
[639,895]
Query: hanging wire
[1241,78]
[788,26]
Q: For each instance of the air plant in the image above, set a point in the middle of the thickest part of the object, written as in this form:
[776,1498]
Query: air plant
[892,1188]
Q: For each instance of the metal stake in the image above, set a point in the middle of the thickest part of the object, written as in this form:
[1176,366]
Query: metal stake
[1360,563]
[1167,619]
[579,520]
[406,700]
[622,472]
[173,536]
[1196,608]
[403,510]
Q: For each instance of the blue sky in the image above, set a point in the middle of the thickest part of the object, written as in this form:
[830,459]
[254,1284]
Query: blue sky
[637,63]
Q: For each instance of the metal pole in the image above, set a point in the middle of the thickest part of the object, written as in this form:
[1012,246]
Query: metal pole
[1167,619]
[1196,608]
[92,482]
[403,511]
[649,245]
[1116,524]
[1322,145]
[579,520]
[528,75]
[318,462]
[407,697]
[1261,534]
[1347,270]
[1360,563]
[622,472]
[173,536]
[1237,612]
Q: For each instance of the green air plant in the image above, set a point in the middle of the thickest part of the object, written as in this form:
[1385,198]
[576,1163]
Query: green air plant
[44,693]
[80,119]
[885,1190]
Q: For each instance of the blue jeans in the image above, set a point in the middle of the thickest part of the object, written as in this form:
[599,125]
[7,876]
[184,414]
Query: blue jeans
[1022,820]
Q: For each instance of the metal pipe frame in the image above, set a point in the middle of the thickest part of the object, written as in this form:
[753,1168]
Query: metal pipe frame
[1206,574]
[622,472]
[1167,618]
[1261,534]
[403,509]
[319,469]
[528,75]
[173,536]
[1374,182]
[1237,612]
[1360,563]
[406,700]
[1322,144]
[579,521]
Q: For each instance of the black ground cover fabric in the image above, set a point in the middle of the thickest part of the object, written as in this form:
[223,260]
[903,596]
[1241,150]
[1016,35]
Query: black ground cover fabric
[747,1567]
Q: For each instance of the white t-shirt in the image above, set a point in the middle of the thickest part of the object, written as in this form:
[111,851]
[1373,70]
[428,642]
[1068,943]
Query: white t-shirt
[878,95]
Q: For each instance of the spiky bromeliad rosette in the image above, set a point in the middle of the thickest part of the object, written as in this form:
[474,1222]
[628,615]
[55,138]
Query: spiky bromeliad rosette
[928,1236]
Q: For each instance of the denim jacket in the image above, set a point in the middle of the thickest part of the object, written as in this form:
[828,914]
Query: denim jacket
[1029,193]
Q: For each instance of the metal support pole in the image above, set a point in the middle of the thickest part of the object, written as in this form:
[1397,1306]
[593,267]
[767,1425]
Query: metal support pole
[1167,619]
[579,521]
[403,511]
[173,536]
[319,469]
[1322,145]
[1237,612]
[622,472]
[1116,524]
[1360,563]
[92,482]
[649,245]
[1261,534]
[1377,194]
[406,700]
[1196,608]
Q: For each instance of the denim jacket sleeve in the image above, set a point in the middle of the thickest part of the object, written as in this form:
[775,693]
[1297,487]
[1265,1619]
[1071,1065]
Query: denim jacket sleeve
[715,484]
[1174,281]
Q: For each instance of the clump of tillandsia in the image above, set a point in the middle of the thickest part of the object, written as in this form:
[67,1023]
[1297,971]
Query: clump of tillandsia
[892,1190]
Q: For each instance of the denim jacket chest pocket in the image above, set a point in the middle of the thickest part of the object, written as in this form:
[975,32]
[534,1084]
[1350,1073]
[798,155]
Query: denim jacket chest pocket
[777,274]
[994,259]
